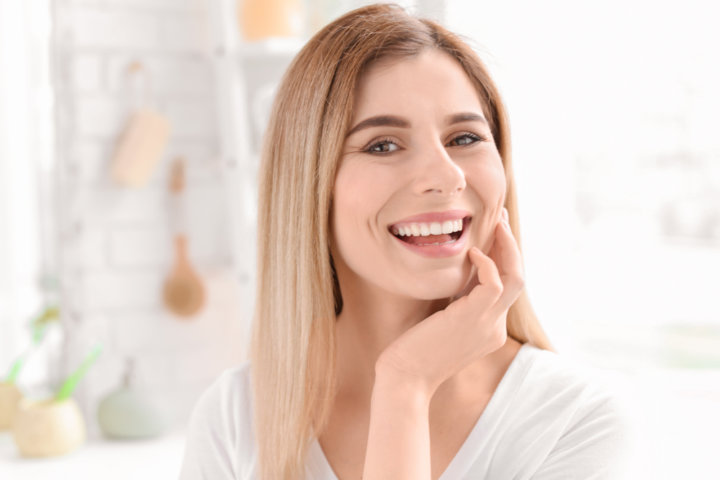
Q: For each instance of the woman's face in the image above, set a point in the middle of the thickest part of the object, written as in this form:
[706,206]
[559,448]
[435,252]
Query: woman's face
[419,157]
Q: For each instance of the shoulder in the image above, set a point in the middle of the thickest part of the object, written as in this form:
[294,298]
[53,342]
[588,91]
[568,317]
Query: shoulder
[220,440]
[559,384]
[569,379]
[231,388]
[588,419]
[227,404]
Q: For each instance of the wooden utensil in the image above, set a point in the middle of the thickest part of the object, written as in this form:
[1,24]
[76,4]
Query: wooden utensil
[183,292]
[143,141]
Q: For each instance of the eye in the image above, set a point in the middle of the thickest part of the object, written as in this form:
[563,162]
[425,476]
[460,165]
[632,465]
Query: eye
[385,145]
[464,140]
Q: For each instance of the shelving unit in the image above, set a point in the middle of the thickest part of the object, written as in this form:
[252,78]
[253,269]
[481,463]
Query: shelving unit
[247,75]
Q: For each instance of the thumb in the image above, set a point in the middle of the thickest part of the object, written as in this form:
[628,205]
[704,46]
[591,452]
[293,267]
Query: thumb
[475,256]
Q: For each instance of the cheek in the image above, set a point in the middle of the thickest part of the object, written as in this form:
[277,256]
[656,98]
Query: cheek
[347,202]
[359,195]
[488,182]
[361,191]
[353,209]
[489,185]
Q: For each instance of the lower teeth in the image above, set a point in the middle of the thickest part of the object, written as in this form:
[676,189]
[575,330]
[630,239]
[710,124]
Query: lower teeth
[433,244]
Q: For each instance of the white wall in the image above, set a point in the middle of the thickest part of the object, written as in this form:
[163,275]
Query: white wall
[116,243]
[24,141]
[611,108]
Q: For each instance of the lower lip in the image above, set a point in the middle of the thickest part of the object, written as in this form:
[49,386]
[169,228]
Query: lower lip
[439,251]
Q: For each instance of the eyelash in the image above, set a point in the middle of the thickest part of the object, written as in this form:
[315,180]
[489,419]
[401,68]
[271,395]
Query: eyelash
[476,138]
[376,143]
[385,141]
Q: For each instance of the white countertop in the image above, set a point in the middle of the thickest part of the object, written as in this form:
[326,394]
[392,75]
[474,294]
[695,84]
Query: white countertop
[158,458]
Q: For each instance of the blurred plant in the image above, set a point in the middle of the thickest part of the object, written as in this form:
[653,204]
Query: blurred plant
[39,326]
[71,382]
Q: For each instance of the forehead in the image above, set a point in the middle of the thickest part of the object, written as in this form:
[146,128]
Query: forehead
[431,79]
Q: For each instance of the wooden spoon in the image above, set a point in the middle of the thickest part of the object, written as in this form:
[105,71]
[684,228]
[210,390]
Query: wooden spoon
[183,292]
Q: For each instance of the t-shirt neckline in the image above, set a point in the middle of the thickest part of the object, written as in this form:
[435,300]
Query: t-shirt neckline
[468,451]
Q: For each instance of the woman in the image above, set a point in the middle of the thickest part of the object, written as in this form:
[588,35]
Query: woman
[392,336]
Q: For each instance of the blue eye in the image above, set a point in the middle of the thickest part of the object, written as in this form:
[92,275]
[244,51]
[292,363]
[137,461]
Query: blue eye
[464,140]
[383,146]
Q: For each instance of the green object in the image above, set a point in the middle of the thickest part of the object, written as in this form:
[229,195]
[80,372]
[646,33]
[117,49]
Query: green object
[69,386]
[15,369]
[127,414]
[39,327]
[42,321]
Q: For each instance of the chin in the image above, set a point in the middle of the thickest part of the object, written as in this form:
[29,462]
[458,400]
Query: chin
[439,288]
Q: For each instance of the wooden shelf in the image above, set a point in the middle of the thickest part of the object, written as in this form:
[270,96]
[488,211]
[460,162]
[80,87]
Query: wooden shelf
[281,48]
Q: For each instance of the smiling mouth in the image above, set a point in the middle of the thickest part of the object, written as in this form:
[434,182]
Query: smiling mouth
[431,233]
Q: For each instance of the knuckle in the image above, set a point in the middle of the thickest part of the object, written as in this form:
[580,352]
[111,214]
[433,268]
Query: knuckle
[517,280]
[495,288]
[496,338]
[501,337]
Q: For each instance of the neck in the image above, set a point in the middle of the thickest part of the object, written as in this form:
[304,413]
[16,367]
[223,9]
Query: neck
[371,319]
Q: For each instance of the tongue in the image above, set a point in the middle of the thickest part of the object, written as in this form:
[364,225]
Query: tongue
[430,239]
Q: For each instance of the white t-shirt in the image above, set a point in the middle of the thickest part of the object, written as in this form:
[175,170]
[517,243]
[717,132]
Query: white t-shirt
[544,421]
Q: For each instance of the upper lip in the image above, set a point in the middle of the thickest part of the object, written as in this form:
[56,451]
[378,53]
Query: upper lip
[433,217]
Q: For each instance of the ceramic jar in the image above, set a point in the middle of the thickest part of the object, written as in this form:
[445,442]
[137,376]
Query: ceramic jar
[260,19]
[10,396]
[126,414]
[48,428]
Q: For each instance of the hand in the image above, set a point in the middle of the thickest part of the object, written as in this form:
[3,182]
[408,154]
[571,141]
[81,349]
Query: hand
[471,327]
[493,253]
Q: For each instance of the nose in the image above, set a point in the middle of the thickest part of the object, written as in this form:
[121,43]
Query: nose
[439,174]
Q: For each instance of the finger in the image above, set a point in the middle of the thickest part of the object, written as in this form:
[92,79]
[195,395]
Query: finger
[474,259]
[506,254]
[471,283]
[490,285]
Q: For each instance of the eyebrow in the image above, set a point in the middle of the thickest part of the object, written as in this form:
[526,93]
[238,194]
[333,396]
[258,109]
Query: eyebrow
[380,121]
[465,117]
[393,121]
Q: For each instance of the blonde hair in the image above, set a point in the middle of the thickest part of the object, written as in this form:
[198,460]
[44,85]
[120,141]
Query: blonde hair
[293,339]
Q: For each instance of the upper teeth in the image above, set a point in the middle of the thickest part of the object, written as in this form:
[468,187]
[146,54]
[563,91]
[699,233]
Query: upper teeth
[425,229]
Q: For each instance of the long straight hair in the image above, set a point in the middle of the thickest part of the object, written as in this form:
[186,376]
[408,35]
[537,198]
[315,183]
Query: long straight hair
[292,351]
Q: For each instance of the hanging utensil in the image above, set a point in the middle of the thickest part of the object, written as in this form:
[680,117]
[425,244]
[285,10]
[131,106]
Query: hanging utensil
[183,292]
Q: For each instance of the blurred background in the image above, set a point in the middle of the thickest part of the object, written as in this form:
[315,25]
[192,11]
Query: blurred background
[129,137]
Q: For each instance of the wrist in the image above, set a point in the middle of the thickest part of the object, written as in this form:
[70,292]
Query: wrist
[396,387]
